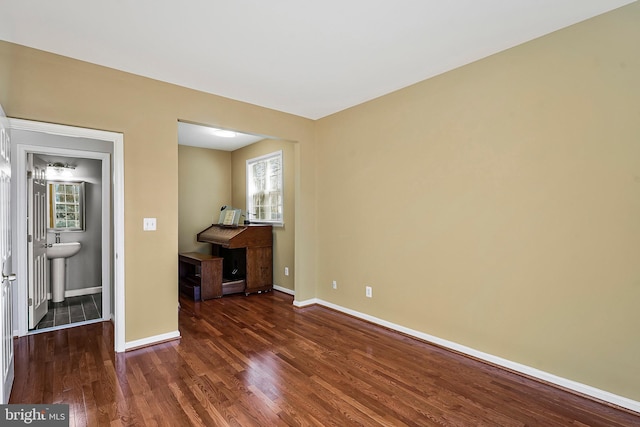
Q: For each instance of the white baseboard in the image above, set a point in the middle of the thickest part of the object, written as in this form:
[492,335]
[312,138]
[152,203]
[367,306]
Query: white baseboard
[157,339]
[311,301]
[495,360]
[83,291]
[80,292]
[285,290]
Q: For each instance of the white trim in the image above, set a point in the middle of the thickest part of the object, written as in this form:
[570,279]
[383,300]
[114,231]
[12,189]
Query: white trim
[66,326]
[107,234]
[144,342]
[495,360]
[308,302]
[80,292]
[63,130]
[285,290]
[117,181]
[118,244]
[248,200]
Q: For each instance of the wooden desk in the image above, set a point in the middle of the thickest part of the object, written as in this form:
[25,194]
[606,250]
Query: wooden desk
[248,254]
[200,275]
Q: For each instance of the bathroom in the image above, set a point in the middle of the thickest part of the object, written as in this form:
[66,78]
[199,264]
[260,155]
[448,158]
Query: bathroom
[82,292]
[77,165]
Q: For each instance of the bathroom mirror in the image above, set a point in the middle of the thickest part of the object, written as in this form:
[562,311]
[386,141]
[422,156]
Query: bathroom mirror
[66,205]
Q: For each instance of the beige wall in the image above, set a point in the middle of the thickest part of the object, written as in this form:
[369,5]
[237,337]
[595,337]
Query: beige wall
[36,85]
[516,184]
[283,237]
[204,185]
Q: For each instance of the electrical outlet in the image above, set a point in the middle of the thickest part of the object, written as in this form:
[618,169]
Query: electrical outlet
[149,224]
[368,292]
[334,284]
[286,271]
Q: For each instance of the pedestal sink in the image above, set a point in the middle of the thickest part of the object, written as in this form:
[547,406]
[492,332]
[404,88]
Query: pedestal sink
[57,253]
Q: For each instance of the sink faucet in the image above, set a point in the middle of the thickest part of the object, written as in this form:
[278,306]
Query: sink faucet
[57,237]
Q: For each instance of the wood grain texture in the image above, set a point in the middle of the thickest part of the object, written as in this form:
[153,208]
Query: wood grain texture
[204,270]
[258,361]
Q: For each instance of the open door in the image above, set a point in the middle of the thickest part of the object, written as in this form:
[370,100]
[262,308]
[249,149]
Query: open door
[37,238]
[6,296]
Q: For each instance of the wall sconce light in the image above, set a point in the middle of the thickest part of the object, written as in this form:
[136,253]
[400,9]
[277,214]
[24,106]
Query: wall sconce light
[59,170]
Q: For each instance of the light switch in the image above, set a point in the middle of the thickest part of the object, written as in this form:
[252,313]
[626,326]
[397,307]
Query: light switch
[149,224]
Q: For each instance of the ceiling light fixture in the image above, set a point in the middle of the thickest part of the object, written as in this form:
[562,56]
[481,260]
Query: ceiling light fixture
[224,133]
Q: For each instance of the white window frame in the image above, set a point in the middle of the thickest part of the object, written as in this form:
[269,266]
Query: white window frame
[257,215]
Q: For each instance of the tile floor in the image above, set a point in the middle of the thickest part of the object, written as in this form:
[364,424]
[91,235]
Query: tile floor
[72,310]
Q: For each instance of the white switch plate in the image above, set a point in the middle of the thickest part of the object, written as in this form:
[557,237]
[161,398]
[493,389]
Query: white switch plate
[368,292]
[149,224]
[286,271]
[334,284]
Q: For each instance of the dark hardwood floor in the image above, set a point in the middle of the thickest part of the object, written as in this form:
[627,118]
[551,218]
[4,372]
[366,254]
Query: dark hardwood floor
[258,361]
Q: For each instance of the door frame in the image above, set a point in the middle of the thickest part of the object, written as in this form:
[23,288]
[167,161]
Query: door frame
[22,150]
[114,174]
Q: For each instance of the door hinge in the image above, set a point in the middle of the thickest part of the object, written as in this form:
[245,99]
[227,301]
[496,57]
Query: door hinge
[30,302]
[29,174]
[29,238]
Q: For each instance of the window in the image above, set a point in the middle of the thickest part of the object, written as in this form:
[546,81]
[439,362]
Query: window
[66,206]
[264,188]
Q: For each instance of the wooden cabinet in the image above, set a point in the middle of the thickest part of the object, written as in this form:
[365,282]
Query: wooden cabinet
[259,269]
[200,275]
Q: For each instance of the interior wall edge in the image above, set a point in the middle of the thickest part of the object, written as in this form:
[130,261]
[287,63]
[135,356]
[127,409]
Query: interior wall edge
[153,340]
[284,290]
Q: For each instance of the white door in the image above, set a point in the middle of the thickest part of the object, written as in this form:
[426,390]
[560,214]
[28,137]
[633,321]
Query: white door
[37,238]
[6,296]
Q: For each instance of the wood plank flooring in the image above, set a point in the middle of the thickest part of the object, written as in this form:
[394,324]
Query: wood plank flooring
[258,361]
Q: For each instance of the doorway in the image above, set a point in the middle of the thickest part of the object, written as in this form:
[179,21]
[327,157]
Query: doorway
[60,141]
[216,166]
[64,223]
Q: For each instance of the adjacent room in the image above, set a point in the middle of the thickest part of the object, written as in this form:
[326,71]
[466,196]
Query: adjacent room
[455,239]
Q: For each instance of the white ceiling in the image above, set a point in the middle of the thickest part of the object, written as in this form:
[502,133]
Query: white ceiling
[309,58]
